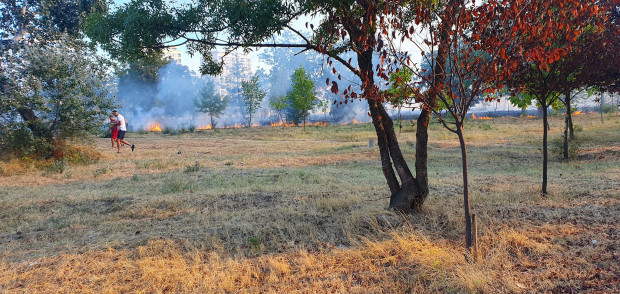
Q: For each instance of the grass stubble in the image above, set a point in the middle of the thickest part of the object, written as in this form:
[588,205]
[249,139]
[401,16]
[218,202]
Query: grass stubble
[277,210]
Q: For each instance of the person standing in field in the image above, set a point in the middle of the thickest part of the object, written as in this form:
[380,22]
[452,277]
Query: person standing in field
[113,130]
[122,129]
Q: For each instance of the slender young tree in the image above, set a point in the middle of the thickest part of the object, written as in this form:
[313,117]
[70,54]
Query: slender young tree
[211,103]
[302,96]
[252,97]
[279,105]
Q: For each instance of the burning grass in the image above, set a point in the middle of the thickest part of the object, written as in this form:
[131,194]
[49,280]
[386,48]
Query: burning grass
[282,210]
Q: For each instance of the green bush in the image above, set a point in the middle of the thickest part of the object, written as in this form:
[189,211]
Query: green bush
[192,168]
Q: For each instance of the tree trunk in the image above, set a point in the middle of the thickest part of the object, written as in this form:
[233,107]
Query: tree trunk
[468,235]
[545,133]
[32,122]
[568,124]
[565,149]
[602,106]
[392,161]
[411,191]
[400,121]
[571,129]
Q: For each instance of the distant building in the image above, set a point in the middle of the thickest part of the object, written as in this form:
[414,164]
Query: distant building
[237,68]
[173,54]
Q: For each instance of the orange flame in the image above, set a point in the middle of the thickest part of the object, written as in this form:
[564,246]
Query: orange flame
[355,121]
[155,128]
[529,116]
[206,127]
[473,116]
[320,123]
[578,112]
[282,124]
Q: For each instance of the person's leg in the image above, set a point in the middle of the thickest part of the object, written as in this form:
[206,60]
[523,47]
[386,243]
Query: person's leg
[128,144]
[121,139]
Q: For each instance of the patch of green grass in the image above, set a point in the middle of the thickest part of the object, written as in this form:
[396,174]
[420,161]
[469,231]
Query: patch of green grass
[176,184]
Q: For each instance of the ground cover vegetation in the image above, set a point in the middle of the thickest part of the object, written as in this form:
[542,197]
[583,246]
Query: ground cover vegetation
[280,210]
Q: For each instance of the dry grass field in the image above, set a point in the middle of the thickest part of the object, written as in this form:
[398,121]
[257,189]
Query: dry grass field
[279,210]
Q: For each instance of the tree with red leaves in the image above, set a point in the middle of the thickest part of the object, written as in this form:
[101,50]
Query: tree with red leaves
[546,61]
[594,62]
[490,44]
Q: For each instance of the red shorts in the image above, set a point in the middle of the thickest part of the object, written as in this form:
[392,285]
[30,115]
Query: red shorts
[114,134]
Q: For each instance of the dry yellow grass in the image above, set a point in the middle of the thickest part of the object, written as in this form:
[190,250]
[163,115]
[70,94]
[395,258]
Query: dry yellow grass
[282,211]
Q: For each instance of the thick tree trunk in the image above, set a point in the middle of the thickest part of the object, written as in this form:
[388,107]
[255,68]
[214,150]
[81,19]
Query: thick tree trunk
[33,123]
[545,134]
[468,234]
[411,191]
[421,157]
[393,163]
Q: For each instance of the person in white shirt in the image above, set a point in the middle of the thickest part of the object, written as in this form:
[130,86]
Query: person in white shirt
[122,129]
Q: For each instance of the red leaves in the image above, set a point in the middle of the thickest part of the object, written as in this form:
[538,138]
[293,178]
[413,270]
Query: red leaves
[334,88]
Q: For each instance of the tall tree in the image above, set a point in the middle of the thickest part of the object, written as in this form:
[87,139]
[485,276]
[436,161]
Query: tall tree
[47,91]
[55,93]
[252,97]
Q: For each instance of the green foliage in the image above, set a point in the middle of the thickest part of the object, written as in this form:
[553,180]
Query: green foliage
[210,102]
[252,97]
[43,19]
[302,97]
[254,243]
[399,90]
[192,168]
[279,105]
[54,93]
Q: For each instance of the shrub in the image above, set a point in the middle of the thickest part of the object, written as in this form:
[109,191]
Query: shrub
[192,168]
[557,147]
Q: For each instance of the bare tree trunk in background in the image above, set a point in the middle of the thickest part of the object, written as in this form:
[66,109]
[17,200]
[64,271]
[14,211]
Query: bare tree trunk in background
[545,135]
[602,105]
[568,124]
